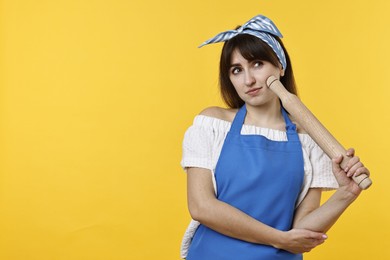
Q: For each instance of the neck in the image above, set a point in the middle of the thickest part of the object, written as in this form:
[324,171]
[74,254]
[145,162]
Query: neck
[268,116]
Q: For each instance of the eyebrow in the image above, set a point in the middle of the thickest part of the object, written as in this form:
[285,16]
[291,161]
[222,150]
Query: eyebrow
[235,65]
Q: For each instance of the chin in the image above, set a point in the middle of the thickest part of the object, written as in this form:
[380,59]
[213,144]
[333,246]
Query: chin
[258,102]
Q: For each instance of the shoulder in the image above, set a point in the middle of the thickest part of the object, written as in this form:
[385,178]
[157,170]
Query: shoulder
[226,114]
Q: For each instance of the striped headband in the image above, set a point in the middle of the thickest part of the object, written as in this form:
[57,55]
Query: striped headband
[260,27]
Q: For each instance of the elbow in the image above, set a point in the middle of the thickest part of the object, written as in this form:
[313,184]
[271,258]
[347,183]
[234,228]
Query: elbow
[195,212]
[195,215]
[198,211]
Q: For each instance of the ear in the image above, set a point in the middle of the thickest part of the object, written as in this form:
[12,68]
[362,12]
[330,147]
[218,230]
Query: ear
[281,70]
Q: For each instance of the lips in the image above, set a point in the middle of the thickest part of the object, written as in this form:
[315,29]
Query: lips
[253,91]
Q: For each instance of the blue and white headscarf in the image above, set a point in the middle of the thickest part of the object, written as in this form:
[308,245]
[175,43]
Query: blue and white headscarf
[260,27]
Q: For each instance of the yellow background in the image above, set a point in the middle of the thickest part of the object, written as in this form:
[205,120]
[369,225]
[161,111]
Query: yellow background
[95,97]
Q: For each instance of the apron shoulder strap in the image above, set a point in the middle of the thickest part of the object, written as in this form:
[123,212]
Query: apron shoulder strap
[291,128]
[238,121]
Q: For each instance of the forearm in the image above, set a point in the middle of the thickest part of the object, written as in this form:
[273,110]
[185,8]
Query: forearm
[324,217]
[232,222]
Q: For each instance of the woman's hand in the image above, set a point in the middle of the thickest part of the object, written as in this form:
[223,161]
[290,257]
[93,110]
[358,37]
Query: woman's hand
[354,167]
[298,241]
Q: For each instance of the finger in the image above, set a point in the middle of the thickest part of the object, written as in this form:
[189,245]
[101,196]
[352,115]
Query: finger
[317,235]
[336,163]
[312,244]
[362,170]
[319,242]
[350,152]
[338,159]
[354,160]
[354,168]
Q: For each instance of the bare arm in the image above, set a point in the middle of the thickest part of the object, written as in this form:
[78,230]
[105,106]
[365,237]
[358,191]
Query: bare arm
[310,215]
[223,218]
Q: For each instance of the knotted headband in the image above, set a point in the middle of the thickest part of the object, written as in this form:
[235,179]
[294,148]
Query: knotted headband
[260,27]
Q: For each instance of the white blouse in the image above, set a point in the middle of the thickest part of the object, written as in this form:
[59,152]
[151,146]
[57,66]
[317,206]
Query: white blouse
[202,146]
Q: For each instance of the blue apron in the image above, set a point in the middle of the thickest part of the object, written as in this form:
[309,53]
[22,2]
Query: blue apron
[260,177]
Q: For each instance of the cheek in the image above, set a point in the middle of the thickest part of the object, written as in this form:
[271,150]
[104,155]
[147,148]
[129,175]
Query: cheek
[237,80]
[266,73]
[276,72]
[236,84]
[262,78]
[234,81]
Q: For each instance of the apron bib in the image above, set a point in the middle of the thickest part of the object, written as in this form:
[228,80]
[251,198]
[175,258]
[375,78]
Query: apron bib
[260,177]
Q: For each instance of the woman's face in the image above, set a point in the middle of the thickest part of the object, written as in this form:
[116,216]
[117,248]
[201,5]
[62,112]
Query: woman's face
[249,79]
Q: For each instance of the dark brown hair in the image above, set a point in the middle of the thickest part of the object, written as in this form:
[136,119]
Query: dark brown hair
[251,48]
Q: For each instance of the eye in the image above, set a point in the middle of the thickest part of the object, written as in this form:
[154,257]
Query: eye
[235,70]
[258,63]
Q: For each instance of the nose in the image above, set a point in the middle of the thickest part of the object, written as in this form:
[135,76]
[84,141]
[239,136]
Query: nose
[249,78]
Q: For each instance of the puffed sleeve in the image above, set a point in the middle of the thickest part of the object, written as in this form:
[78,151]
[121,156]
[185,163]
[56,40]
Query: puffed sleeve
[322,168]
[198,146]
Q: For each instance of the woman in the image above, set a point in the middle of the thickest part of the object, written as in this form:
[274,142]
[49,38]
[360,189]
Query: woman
[254,177]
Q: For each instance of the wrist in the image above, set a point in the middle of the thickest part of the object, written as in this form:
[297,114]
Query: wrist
[346,195]
[278,239]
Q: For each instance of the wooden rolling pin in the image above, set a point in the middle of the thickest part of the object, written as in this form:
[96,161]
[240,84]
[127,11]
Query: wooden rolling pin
[314,128]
